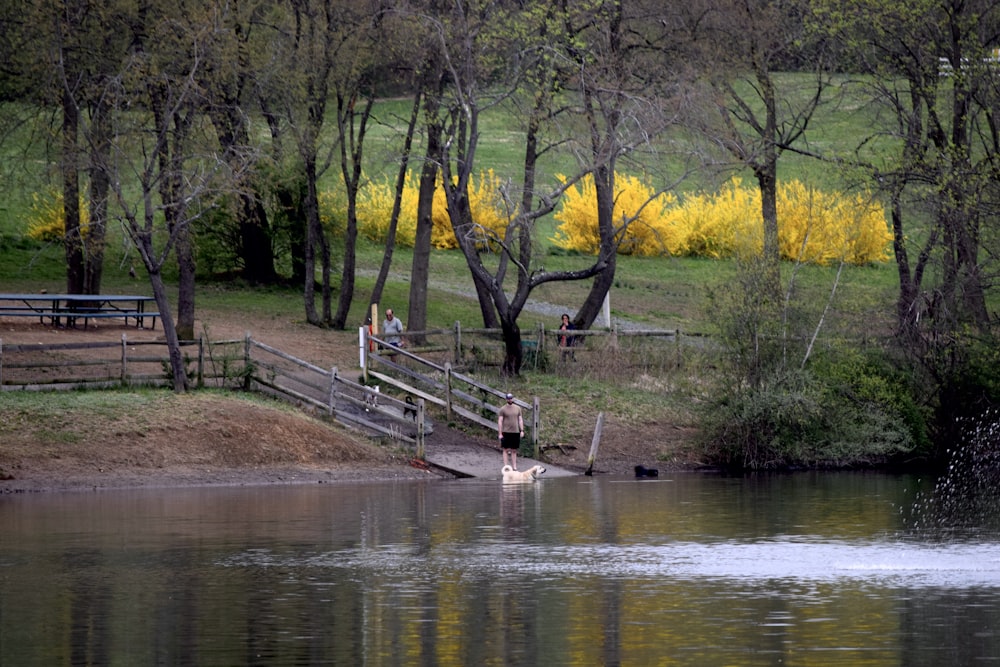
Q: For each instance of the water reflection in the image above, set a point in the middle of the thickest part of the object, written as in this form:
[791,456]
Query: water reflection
[685,569]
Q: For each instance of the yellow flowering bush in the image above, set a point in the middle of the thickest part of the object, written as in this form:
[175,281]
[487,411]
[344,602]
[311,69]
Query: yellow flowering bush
[333,211]
[375,208]
[47,221]
[648,234]
[814,226]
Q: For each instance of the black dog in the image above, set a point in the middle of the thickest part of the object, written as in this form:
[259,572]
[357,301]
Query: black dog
[643,471]
[408,411]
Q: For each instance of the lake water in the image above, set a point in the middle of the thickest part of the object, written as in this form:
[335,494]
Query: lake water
[686,569]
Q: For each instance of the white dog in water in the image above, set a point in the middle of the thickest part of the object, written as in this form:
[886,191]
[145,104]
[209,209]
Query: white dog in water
[511,476]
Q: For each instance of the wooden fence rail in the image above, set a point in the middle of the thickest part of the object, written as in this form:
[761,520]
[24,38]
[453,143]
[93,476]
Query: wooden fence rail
[476,347]
[442,371]
[246,364]
[440,384]
[273,371]
[127,362]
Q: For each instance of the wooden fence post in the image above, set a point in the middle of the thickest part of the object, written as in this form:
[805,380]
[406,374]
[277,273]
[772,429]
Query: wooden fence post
[447,390]
[420,429]
[363,352]
[536,422]
[594,443]
[331,397]
[124,371]
[246,362]
[1,362]
[457,356]
[201,360]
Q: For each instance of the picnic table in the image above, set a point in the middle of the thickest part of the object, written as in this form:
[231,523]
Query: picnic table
[73,307]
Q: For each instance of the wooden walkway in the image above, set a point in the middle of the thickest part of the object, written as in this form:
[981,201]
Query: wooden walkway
[472,459]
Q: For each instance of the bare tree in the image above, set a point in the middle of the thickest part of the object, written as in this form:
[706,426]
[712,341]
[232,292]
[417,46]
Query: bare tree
[241,60]
[82,49]
[740,45]
[609,112]
[159,173]
[931,82]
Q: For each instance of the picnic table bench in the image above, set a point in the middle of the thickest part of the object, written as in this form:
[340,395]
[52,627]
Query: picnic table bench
[70,308]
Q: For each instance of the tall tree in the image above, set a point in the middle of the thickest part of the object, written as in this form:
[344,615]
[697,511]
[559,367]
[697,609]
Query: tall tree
[390,243]
[238,60]
[567,51]
[310,40]
[358,57]
[931,71]
[741,45]
[85,48]
[160,174]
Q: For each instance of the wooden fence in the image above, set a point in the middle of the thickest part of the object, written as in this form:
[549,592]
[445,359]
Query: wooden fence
[473,350]
[457,393]
[126,363]
[450,368]
[247,364]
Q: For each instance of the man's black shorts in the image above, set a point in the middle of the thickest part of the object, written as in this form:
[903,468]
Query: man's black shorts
[511,441]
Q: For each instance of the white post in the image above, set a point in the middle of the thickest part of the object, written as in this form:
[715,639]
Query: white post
[607,308]
[361,347]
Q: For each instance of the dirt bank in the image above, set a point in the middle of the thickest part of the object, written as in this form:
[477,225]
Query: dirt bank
[224,440]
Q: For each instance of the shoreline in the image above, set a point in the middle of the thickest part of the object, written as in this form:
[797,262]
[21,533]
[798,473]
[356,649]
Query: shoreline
[38,481]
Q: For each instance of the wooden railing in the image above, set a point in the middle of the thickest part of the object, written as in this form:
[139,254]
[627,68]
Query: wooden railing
[247,364]
[445,370]
[126,362]
[473,349]
[457,393]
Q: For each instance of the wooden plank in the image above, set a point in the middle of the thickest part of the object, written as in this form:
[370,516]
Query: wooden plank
[475,417]
[594,444]
[45,347]
[430,398]
[287,357]
[416,375]
[291,392]
[357,420]
[390,350]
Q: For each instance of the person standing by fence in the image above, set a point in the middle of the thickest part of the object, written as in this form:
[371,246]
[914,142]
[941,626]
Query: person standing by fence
[392,329]
[510,425]
[566,342]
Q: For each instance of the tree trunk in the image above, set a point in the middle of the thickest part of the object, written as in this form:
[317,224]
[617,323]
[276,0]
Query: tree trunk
[604,190]
[177,372]
[100,186]
[314,232]
[390,240]
[255,242]
[416,314]
[185,283]
[72,241]
[339,320]
[767,181]
[513,352]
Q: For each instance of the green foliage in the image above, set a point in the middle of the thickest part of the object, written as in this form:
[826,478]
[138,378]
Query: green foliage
[774,410]
[793,418]
[217,240]
[866,376]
